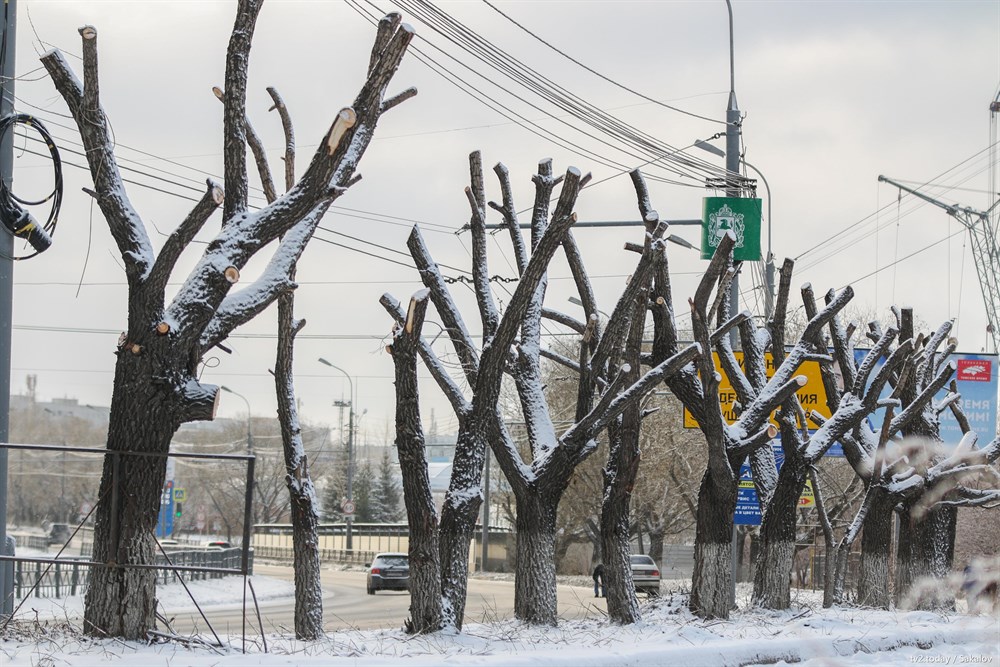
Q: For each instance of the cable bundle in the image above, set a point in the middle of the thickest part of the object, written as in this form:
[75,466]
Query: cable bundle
[16,219]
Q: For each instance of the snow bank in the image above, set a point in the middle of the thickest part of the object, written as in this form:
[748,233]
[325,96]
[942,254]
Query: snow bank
[668,635]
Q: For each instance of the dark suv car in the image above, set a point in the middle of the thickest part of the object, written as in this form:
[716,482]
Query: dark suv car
[389,571]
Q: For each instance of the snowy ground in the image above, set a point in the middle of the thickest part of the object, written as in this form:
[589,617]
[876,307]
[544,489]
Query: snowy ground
[668,635]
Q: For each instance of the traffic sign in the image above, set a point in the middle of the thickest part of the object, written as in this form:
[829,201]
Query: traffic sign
[747,505]
[812,395]
[180,495]
[348,507]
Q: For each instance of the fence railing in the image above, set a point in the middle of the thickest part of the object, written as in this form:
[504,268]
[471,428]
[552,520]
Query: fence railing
[325,555]
[68,578]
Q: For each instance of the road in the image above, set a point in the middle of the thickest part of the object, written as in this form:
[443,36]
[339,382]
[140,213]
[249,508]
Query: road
[346,605]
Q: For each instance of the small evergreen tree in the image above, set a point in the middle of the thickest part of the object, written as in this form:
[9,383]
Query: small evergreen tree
[387,490]
[365,500]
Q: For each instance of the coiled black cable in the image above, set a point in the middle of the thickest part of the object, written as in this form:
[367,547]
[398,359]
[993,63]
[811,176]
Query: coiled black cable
[16,219]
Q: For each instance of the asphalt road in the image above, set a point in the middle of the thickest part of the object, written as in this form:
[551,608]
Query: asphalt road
[346,605]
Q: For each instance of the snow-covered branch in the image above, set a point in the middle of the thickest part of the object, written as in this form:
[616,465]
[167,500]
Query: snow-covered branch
[480,268]
[179,240]
[234,116]
[84,104]
[437,370]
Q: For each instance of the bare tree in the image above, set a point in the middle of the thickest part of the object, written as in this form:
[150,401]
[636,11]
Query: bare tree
[426,600]
[904,468]
[537,483]
[802,450]
[156,387]
[728,445]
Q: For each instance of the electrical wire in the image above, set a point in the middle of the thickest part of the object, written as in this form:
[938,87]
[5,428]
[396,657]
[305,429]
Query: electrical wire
[596,73]
[18,221]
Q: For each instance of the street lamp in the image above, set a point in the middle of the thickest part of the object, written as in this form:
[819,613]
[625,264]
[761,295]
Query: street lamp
[348,516]
[253,516]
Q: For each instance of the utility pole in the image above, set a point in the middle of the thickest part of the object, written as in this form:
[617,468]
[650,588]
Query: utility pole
[733,190]
[349,517]
[6,291]
[733,163]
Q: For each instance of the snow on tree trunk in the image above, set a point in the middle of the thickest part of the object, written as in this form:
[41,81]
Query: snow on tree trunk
[535,583]
[777,540]
[421,514]
[458,520]
[619,480]
[620,476]
[712,581]
[876,548]
[924,558]
[301,491]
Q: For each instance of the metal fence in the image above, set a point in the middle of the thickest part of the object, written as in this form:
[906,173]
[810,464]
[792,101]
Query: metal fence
[70,576]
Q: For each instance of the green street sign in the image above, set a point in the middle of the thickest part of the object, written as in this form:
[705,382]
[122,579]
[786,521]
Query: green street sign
[737,214]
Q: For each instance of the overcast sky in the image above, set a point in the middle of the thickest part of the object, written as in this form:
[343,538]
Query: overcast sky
[834,94]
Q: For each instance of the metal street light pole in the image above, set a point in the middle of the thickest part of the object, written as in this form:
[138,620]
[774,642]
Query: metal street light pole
[348,517]
[733,160]
[249,444]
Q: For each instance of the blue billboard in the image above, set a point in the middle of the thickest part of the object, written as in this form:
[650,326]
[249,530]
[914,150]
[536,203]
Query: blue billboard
[976,378]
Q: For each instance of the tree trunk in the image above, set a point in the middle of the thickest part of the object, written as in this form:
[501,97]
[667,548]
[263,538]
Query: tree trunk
[121,602]
[421,515]
[777,532]
[301,492]
[713,577]
[535,580]
[924,558]
[876,547]
[458,520]
[619,479]
[305,561]
[656,545]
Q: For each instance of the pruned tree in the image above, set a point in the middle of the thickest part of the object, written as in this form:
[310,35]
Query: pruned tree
[904,467]
[426,598]
[728,445]
[538,482]
[156,386]
[803,449]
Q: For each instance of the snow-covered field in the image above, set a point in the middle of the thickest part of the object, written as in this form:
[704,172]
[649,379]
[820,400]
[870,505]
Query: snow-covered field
[668,635]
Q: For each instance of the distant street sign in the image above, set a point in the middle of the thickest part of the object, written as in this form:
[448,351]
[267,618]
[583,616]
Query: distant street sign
[180,495]
[348,507]
[747,505]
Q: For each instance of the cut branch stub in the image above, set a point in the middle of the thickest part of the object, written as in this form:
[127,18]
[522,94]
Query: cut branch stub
[345,120]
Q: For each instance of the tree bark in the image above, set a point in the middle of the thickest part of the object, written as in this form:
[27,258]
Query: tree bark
[458,521]
[622,470]
[121,601]
[301,491]
[924,557]
[535,583]
[421,515]
[713,576]
[771,581]
[876,548]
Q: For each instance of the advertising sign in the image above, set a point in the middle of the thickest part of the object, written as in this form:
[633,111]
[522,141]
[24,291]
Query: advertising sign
[976,378]
[812,395]
[740,215]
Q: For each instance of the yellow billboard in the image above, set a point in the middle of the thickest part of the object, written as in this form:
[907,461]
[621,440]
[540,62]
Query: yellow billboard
[812,395]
